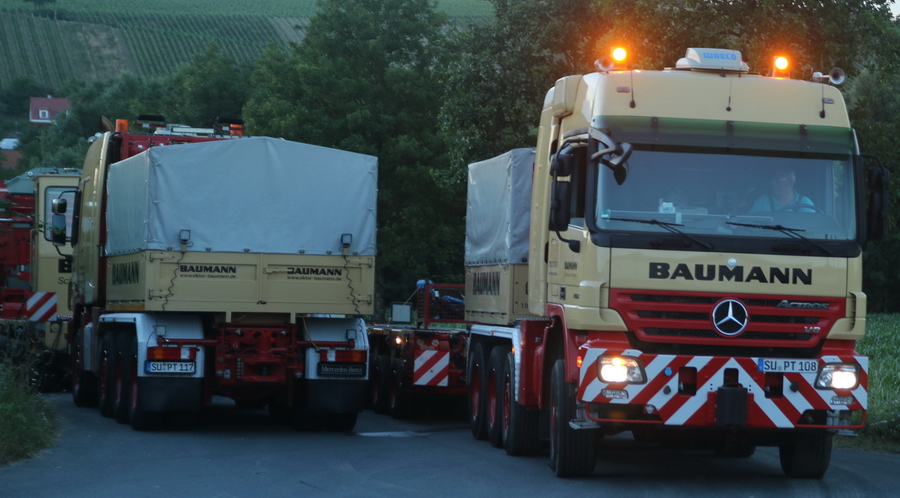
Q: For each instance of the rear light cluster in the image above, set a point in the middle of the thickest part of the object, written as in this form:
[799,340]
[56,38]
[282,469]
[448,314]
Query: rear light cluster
[343,355]
[171,353]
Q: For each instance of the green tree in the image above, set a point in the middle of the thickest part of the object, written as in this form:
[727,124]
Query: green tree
[496,83]
[364,80]
[213,85]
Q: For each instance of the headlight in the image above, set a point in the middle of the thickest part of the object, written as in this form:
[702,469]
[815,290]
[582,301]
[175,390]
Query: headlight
[618,369]
[838,376]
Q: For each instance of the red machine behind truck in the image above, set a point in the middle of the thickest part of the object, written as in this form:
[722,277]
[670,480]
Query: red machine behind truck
[647,275]
[35,274]
[208,264]
[421,358]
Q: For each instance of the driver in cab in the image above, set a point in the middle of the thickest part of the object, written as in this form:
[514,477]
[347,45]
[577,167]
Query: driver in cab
[783,197]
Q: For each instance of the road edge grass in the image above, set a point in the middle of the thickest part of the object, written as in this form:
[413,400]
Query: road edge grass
[28,424]
[882,345]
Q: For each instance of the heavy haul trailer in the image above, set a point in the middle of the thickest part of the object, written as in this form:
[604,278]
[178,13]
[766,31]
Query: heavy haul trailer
[421,354]
[669,294]
[234,267]
[35,274]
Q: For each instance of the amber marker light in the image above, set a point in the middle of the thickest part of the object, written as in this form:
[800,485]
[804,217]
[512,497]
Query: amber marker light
[780,69]
[616,59]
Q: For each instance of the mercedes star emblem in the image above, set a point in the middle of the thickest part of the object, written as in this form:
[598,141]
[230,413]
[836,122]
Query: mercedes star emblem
[730,317]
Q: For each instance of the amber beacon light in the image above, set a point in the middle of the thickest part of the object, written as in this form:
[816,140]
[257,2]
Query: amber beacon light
[780,67]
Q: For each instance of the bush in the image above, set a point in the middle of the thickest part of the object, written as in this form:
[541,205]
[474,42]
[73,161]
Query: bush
[27,424]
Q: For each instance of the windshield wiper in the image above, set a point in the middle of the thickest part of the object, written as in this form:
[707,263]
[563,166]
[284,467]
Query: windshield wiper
[791,232]
[668,226]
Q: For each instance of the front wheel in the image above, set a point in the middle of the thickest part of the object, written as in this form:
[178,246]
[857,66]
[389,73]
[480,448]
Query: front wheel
[571,451]
[806,455]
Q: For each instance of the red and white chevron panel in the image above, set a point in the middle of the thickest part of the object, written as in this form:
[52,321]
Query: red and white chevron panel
[662,391]
[432,368]
[41,307]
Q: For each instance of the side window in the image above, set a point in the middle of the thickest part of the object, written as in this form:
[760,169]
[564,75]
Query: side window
[578,181]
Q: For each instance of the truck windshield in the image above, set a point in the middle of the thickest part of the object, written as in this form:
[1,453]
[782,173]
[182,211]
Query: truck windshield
[736,195]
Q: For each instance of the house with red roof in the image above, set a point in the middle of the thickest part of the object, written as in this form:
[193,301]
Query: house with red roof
[45,110]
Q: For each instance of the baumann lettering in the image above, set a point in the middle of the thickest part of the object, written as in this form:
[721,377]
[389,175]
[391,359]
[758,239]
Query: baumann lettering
[208,269]
[316,271]
[722,273]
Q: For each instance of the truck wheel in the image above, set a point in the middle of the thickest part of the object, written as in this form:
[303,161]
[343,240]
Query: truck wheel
[123,378]
[399,399]
[571,451]
[495,389]
[477,399]
[520,425]
[84,384]
[806,455]
[141,420]
[107,396]
[381,384]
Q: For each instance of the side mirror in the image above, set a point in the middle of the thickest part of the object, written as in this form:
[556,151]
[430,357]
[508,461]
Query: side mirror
[563,162]
[59,206]
[58,227]
[877,180]
[561,193]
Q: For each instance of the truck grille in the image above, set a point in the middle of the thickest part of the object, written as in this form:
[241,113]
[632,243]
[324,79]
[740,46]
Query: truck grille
[686,318]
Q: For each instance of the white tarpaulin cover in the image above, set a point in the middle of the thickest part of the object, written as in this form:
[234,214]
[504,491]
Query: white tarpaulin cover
[498,211]
[257,195]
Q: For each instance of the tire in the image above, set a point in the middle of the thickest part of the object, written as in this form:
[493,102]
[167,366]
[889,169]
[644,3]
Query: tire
[140,419]
[123,373]
[806,455]
[84,383]
[107,392]
[495,389]
[381,384]
[476,375]
[400,406]
[520,425]
[571,451]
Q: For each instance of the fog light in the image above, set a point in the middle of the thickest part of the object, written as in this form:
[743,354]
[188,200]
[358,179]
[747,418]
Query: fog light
[838,376]
[618,369]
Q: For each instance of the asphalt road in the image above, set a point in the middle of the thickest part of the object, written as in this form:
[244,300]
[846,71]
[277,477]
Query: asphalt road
[238,453]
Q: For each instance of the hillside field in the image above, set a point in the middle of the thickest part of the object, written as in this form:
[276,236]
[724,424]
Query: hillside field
[97,40]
